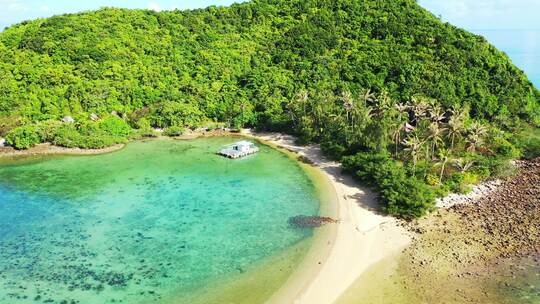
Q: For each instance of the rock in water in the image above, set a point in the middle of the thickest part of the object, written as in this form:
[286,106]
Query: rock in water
[304,221]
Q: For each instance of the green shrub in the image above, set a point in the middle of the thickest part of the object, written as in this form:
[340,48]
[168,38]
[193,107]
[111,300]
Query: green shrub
[532,149]
[493,166]
[26,136]
[305,131]
[504,148]
[90,138]
[143,124]
[114,126]
[470,178]
[408,198]
[99,142]
[67,136]
[176,113]
[47,130]
[432,180]
[528,141]
[8,123]
[174,131]
[23,137]
[423,169]
[333,150]
[143,133]
[461,182]
[454,182]
[403,196]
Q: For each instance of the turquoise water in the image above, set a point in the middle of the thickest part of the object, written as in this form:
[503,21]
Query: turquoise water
[522,46]
[155,221]
[520,280]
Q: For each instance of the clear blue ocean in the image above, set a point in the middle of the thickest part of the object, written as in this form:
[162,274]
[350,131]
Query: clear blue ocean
[157,222]
[523,47]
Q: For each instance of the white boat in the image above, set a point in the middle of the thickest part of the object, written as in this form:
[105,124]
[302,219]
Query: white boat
[239,149]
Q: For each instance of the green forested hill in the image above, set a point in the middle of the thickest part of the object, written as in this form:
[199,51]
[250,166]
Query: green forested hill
[383,77]
[258,54]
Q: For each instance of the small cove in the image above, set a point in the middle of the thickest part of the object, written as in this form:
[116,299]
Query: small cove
[159,220]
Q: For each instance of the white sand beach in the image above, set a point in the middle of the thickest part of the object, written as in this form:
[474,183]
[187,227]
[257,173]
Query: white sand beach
[363,236]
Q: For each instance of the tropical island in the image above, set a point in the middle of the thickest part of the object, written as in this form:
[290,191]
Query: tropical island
[410,106]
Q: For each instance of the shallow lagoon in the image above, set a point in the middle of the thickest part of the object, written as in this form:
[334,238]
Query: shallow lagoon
[152,223]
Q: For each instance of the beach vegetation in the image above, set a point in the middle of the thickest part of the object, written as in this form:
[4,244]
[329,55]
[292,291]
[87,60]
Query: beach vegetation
[402,195]
[174,131]
[527,140]
[23,137]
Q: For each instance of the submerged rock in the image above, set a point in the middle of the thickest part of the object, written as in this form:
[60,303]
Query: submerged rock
[304,221]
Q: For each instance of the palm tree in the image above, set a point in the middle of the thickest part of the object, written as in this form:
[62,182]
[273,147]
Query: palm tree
[319,110]
[298,104]
[437,114]
[242,111]
[348,103]
[396,136]
[402,111]
[435,135]
[413,145]
[402,117]
[463,165]
[475,135]
[302,98]
[367,96]
[444,157]
[383,103]
[419,107]
[362,113]
[456,125]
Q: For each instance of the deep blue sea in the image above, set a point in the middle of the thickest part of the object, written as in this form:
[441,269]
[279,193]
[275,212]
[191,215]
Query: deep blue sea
[523,47]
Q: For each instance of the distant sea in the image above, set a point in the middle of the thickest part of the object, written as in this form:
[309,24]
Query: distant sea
[523,47]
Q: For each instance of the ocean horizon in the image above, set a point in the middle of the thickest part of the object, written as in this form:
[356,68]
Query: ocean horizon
[521,45]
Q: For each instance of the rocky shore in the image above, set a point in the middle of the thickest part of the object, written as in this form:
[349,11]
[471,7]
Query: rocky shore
[49,149]
[477,191]
[456,251]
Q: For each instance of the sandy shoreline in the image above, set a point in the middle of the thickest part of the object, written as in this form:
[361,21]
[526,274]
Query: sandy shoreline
[363,236]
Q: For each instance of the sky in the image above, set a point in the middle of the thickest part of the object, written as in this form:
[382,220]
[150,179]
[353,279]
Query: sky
[470,14]
[487,14]
[14,11]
